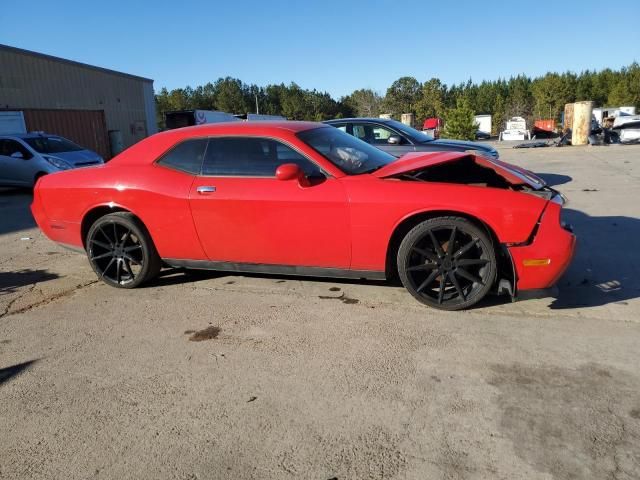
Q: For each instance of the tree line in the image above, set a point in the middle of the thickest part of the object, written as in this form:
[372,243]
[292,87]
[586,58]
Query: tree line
[532,98]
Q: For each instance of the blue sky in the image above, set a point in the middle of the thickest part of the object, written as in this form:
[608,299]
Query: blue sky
[334,46]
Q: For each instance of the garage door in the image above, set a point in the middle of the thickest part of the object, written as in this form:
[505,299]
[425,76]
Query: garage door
[87,128]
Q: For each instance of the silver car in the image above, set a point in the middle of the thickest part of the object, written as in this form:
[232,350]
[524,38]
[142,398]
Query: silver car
[26,157]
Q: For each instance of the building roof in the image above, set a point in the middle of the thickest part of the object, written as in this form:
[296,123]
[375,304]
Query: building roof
[70,62]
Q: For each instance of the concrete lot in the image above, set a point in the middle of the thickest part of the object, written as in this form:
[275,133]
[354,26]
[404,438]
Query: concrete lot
[322,379]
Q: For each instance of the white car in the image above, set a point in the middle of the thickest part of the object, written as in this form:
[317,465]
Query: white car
[25,157]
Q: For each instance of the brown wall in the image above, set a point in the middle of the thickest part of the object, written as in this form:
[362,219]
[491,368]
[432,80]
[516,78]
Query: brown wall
[87,128]
[29,80]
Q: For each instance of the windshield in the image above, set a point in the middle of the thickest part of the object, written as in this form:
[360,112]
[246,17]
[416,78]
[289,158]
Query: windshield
[52,145]
[349,154]
[414,134]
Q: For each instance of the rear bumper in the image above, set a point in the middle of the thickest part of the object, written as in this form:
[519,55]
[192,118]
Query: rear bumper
[38,212]
[65,233]
[540,263]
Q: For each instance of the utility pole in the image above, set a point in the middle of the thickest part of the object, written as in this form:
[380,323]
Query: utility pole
[257,109]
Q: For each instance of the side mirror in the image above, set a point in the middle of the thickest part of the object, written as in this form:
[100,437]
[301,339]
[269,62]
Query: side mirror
[291,171]
[394,140]
[17,155]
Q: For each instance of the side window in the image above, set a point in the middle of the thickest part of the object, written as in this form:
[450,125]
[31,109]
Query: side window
[251,157]
[340,126]
[374,134]
[381,135]
[186,156]
[362,132]
[287,154]
[9,147]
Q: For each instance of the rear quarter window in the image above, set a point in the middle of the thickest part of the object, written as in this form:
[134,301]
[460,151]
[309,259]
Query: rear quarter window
[186,156]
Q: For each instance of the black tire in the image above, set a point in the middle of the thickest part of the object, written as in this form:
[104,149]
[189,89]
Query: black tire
[121,251]
[442,276]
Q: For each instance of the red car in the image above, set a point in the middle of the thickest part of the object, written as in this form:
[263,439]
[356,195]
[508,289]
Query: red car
[304,198]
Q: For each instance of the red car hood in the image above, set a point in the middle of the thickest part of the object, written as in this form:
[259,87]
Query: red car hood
[419,161]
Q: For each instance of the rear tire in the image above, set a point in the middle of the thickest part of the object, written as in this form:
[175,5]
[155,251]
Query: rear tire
[121,251]
[447,263]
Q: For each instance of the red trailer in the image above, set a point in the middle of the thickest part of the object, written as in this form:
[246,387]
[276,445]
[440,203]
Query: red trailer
[432,126]
[544,127]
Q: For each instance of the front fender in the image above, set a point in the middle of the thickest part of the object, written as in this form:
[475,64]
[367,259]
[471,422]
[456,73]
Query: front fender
[379,207]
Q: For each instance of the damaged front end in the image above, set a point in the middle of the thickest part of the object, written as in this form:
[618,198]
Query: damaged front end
[534,264]
[472,170]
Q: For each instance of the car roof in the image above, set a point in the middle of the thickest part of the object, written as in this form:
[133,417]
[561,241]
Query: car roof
[151,147]
[29,135]
[247,127]
[358,119]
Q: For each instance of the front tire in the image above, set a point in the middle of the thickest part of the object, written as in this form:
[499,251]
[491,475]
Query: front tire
[447,263]
[121,252]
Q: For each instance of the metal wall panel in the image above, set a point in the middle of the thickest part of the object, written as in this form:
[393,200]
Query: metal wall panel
[150,108]
[87,128]
[33,81]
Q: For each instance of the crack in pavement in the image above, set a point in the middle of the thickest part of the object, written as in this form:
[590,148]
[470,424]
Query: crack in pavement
[44,301]
[22,295]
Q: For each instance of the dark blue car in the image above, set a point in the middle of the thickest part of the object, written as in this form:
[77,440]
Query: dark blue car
[397,138]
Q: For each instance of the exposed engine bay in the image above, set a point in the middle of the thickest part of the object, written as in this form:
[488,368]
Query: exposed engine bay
[464,171]
[480,172]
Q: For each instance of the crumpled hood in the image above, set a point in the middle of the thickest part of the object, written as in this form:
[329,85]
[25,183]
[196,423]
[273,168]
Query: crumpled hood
[464,145]
[420,161]
[78,157]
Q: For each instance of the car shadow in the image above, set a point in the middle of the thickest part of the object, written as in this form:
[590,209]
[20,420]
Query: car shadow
[8,373]
[177,276]
[15,210]
[10,282]
[606,266]
[554,179]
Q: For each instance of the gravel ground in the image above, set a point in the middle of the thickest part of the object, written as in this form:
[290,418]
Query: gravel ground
[205,375]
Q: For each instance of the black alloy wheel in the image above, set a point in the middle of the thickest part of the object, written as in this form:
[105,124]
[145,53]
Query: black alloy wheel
[121,251]
[447,263]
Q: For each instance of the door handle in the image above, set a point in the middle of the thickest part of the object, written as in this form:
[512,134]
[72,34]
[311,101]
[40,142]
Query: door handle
[205,189]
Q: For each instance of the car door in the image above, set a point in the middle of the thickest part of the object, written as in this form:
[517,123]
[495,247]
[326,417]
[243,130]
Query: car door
[382,137]
[243,214]
[15,171]
[5,164]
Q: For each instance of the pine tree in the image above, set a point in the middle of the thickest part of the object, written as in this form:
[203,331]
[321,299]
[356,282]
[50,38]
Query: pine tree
[498,119]
[626,91]
[460,123]
[364,102]
[403,96]
[431,103]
